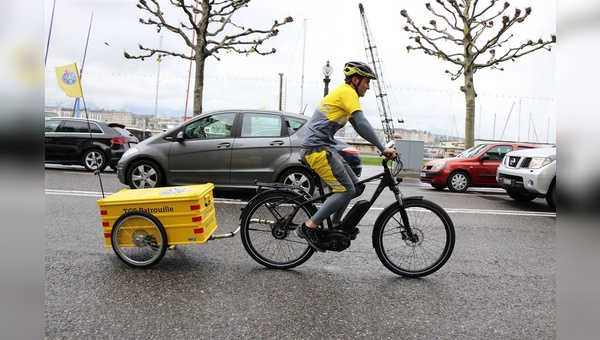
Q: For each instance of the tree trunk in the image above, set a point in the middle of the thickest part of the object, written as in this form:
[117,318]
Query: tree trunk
[469,90]
[200,55]
[468,87]
[198,83]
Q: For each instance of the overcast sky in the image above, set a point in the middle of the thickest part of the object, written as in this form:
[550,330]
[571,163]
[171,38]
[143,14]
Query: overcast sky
[516,104]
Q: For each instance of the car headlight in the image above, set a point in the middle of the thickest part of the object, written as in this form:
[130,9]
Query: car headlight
[129,152]
[538,162]
[439,166]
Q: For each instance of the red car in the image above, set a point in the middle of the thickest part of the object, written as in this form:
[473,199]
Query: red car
[475,167]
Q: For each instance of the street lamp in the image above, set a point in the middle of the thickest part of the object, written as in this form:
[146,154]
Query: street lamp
[327,69]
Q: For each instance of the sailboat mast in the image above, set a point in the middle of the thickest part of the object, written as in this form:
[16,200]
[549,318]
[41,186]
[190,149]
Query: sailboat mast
[302,81]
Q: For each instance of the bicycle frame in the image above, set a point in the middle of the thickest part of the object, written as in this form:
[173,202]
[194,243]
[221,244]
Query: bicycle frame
[386,180]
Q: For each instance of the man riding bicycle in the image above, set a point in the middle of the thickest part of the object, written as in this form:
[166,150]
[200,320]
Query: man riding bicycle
[318,148]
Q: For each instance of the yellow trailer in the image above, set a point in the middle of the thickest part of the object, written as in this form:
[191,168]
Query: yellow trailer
[140,224]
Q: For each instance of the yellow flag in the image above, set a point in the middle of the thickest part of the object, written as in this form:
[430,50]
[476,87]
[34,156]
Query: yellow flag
[68,80]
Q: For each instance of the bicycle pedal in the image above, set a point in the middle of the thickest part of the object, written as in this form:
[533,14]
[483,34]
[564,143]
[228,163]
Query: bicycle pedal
[352,233]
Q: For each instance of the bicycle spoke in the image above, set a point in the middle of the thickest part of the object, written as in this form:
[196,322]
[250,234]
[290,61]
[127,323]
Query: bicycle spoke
[424,252]
[139,239]
[268,235]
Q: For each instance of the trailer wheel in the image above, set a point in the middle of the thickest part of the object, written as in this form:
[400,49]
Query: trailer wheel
[139,239]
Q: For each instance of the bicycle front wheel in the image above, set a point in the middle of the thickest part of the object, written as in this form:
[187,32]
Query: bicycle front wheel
[267,230]
[139,239]
[429,248]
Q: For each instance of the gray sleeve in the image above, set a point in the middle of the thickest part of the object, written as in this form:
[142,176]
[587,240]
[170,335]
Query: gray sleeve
[364,129]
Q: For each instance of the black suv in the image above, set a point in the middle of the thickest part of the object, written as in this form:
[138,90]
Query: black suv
[69,141]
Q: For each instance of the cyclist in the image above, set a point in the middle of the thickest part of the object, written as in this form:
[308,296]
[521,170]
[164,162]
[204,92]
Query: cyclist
[318,148]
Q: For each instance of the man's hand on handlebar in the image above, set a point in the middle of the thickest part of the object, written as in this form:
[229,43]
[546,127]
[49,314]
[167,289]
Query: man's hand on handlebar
[390,152]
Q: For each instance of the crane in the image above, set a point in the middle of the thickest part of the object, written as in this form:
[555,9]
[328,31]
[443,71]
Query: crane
[380,95]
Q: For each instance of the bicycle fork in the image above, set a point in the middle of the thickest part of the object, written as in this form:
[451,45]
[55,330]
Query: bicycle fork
[406,231]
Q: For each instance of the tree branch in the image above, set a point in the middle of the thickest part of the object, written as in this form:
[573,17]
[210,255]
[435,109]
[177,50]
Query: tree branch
[516,52]
[433,49]
[215,18]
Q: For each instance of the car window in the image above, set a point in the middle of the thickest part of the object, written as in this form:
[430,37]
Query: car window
[497,152]
[123,132]
[294,124]
[523,147]
[261,125]
[472,151]
[51,125]
[79,126]
[214,126]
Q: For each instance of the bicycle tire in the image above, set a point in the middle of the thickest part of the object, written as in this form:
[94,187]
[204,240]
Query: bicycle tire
[139,239]
[266,238]
[434,247]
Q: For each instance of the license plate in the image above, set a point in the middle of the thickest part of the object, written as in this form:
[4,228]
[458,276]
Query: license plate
[423,174]
[507,181]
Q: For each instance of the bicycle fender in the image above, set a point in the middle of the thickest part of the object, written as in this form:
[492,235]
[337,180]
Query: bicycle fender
[258,197]
[413,198]
[395,204]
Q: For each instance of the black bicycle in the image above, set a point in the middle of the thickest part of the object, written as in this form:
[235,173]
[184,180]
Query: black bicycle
[413,237]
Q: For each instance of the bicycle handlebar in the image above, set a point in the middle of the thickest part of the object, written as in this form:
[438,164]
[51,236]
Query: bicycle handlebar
[387,158]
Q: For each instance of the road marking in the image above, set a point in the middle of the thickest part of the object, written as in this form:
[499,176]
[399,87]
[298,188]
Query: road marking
[501,212]
[487,212]
[230,201]
[76,193]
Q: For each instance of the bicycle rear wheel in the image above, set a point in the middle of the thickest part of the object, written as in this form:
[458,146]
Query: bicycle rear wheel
[139,239]
[419,257]
[267,230]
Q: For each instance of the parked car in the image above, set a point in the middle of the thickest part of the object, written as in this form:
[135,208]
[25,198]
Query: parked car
[475,167]
[351,155]
[527,174]
[120,128]
[229,148]
[142,134]
[69,141]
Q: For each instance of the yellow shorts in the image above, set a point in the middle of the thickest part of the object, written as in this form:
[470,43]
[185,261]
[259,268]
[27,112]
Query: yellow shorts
[330,166]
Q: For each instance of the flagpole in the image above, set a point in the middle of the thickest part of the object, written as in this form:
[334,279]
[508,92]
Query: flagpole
[75,106]
[49,32]
[302,81]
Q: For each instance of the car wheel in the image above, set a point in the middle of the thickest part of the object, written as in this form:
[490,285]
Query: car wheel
[519,197]
[459,182]
[94,160]
[144,174]
[298,177]
[438,186]
[551,197]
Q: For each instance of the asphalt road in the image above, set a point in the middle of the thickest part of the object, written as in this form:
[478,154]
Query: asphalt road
[499,283]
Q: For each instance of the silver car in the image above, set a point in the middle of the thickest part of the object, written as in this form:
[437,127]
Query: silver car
[527,174]
[229,148]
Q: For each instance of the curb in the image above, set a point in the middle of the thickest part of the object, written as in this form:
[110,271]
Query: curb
[371,170]
[410,173]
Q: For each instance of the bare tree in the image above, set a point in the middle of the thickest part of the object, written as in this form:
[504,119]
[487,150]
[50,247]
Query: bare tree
[210,22]
[472,29]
